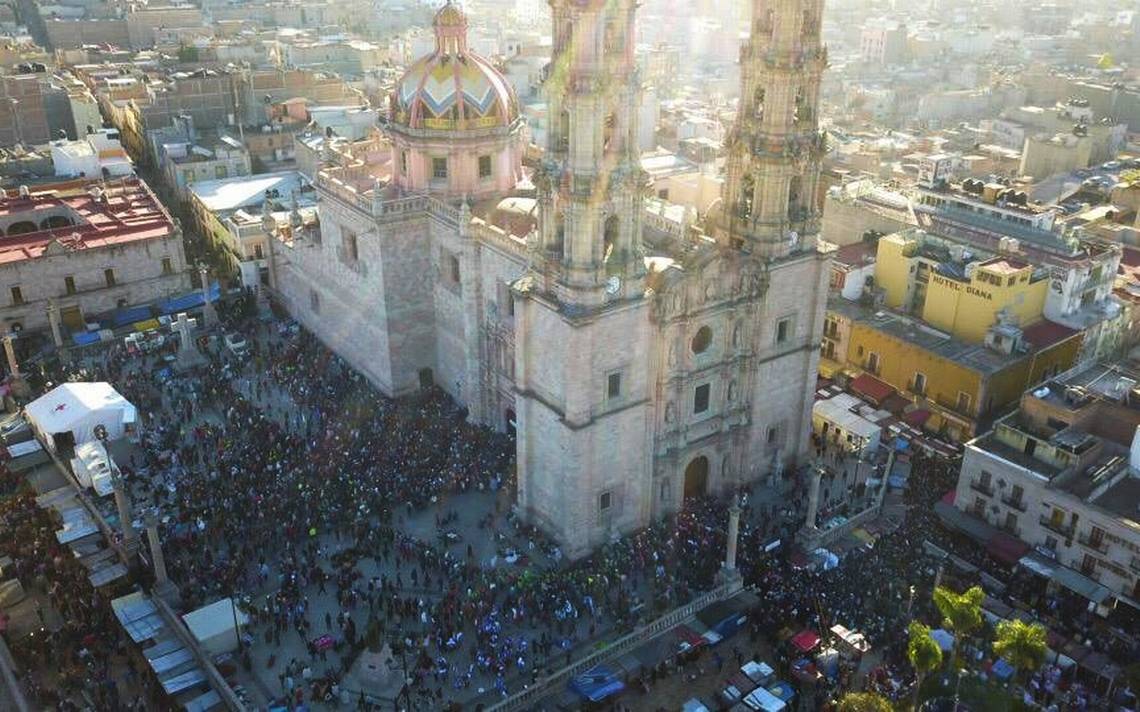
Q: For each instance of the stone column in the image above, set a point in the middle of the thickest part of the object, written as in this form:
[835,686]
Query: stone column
[207,308]
[733,535]
[123,504]
[157,560]
[886,476]
[53,320]
[813,497]
[10,352]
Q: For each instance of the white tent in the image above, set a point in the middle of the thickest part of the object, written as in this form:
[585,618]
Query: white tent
[77,408]
[217,626]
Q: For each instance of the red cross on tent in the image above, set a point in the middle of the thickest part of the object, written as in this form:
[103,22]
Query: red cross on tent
[60,407]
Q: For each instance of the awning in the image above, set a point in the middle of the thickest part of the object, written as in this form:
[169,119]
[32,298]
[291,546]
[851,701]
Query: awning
[1075,581]
[956,518]
[872,389]
[1006,549]
[122,317]
[916,418]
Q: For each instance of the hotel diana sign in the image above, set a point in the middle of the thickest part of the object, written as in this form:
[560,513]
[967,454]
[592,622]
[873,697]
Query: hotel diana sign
[957,287]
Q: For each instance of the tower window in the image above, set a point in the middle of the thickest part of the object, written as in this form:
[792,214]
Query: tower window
[69,285]
[17,296]
[403,163]
[701,398]
[314,301]
[484,166]
[605,501]
[783,330]
[109,277]
[439,168]
[701,340]
[613,386]
[167,266]
[454,265]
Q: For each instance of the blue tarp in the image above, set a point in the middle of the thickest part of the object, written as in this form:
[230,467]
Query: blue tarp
[597,684]
[191,300]
[782,690]
[130,315]
[85,338]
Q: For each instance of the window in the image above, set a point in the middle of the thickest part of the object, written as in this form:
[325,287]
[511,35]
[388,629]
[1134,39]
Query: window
[439,168]
[605,501]
[783,331]
[350,248]
[454,264]
[109,277]
[167,266]
[773,434]
[314,301]
[873,362]
[403,163]
[964,401]
[701,398]
[221,172]
[69,285]
[919,383]
[701,340]
[613,386]
[188,177]
[17,296]
[484,166]
[258,253]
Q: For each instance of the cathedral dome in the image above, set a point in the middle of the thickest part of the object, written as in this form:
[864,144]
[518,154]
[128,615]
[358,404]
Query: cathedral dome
[453,88]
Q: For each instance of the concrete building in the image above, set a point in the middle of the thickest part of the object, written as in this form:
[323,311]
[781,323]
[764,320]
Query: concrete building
[88,247]
[1045,155]
[96,155]
[634,373]
[883,42]
[1062,475]
[23,118]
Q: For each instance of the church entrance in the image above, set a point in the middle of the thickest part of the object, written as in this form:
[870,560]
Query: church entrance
[697,478]
[510,422]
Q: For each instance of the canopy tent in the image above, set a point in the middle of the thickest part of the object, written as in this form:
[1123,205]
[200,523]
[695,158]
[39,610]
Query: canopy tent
[944,639]
[75,409]
[806,640]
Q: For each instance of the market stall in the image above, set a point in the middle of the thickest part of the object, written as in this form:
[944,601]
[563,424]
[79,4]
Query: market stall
[68,414]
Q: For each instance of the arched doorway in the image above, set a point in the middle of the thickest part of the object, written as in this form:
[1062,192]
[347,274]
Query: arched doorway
[510,422]
[697,478]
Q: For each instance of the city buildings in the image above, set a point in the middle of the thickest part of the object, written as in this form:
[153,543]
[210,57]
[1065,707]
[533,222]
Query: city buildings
[1062,475]
[85,248]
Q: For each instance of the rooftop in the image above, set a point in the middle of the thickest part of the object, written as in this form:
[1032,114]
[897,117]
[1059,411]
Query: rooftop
[228,194]
[84,214]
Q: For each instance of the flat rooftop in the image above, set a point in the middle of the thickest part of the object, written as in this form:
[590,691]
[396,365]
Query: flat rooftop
[81,215]
[228,194]
[1122,499]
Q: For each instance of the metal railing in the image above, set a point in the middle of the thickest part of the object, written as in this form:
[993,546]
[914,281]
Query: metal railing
[985,488]
[1017,503]
[1100,544]
[546,686]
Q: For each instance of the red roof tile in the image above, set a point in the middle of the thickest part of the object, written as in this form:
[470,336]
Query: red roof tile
[1046,333]
[872,389]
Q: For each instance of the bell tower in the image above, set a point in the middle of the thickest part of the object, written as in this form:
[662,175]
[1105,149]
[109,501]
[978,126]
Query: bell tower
[590,182]
[582,330]
[775,148]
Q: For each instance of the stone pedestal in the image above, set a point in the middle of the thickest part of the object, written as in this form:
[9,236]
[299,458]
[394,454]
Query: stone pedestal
[378,676]
[188,354]
[164,588]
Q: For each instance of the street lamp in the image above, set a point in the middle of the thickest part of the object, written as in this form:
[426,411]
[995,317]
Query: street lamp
[958,688]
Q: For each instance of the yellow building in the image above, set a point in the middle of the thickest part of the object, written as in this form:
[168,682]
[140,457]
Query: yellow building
[961,385]
[955,291]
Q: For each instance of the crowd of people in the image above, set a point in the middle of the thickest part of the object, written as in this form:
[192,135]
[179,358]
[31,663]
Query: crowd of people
[287,482]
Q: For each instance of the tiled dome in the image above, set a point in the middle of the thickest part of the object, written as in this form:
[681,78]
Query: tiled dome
[453,88]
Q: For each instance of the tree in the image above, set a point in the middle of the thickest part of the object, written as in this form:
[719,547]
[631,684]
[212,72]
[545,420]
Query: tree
[961,612]
[1022,644]
[924,653]
[864,702]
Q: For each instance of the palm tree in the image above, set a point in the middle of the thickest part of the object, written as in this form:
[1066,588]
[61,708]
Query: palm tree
[924,654]
[1023,645]
[961,612]
[864,702]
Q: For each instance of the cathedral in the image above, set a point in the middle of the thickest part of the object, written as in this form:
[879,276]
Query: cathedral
[635,369]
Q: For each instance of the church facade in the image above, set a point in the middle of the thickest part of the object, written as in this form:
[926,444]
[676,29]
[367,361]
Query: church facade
[636,369]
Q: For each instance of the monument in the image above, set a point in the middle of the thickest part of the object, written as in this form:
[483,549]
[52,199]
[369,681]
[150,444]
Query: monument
[376,675]
[188,355]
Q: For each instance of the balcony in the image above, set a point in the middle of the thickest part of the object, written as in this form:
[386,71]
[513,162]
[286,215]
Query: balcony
[1090,572]
[1017,503]
[1065,530]
[985,488]
[1099,545]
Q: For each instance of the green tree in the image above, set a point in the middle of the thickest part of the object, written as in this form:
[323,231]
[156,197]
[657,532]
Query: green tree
[924,653]
[864,702]
[961,612]
[1023,645]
